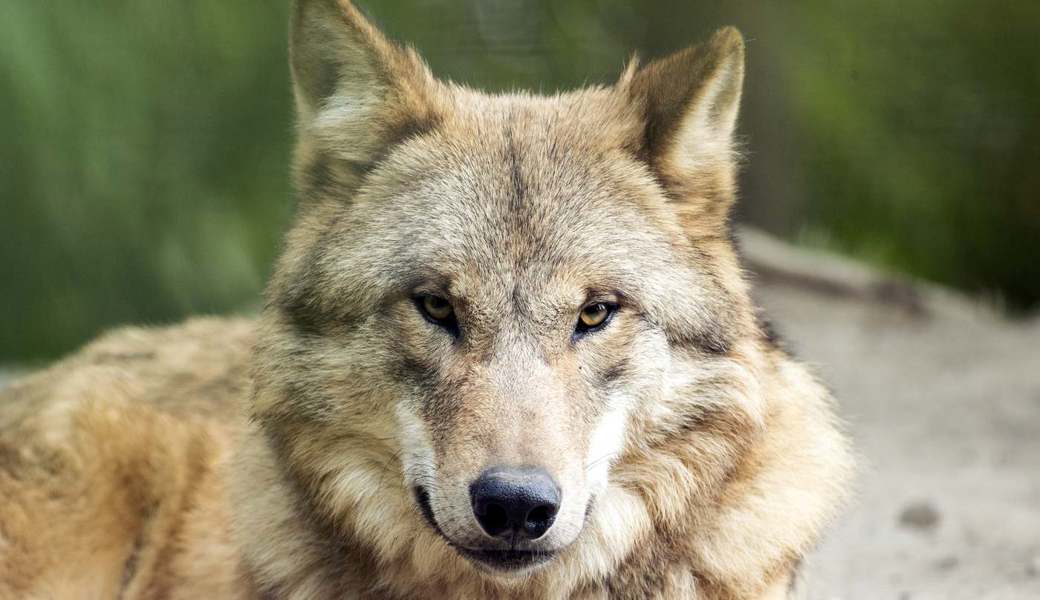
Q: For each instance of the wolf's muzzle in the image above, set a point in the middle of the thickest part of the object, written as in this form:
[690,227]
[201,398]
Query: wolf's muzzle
[515,503]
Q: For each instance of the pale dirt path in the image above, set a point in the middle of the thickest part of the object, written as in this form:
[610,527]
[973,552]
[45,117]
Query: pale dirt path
[943,400]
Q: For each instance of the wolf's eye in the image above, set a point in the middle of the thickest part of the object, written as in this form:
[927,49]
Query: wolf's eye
[437,310]
[594,316]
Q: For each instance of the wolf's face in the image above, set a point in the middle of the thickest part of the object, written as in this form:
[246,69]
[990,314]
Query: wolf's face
[488,300]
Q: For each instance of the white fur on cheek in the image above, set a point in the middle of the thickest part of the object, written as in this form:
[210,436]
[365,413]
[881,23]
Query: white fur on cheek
[416,447]
[605,444]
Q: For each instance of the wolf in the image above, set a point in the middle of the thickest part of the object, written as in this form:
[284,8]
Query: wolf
[508,352]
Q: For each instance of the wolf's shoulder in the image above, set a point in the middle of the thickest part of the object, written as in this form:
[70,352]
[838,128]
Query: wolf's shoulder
[190,376]
[105,444]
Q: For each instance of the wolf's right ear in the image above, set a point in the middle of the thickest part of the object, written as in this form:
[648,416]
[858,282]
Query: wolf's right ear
[356,92]
[689,103]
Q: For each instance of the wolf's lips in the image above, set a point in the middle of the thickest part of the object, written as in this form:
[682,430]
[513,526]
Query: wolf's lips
[507,560]
[499,560]
[422,498]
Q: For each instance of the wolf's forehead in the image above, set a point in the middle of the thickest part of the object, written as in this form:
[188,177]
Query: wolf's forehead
[508,201]
[514,194]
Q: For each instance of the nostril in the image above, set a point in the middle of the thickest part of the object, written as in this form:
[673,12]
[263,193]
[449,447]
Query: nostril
[494,518]
[539,520]
[542,513]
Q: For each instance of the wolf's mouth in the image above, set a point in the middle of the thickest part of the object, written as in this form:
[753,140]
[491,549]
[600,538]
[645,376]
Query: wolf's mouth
[498,560]
[507,560]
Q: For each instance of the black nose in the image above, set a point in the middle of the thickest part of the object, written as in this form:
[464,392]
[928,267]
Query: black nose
[515,502]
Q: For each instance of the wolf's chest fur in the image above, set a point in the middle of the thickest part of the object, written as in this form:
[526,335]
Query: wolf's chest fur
[508,352]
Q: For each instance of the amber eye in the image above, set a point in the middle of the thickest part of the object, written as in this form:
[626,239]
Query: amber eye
[594,316]
[437,310]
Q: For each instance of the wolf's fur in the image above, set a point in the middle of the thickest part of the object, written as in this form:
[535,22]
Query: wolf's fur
[695,458]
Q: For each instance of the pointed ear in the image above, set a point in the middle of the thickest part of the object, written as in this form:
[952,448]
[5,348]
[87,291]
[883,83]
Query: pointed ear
[689,102]
[356,92]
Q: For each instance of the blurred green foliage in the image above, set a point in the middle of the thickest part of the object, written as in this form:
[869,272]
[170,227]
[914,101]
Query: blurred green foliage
[143,163]
[144,143]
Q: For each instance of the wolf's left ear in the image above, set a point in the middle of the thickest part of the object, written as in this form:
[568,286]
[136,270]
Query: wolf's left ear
[356,91]
[689,102]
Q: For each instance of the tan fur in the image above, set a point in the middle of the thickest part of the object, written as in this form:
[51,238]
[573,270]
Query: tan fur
[233,458]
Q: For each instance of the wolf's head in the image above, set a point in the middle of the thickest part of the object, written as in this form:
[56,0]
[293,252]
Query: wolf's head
[494,311]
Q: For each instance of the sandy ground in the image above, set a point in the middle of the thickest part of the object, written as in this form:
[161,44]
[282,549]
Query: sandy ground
[943,400]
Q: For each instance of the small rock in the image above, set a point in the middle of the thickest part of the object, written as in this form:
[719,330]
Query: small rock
[947,563]
[1033,567]
[919,515]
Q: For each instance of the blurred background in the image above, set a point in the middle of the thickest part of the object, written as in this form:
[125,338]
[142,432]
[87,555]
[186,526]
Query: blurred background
[144,147]
[144,143]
